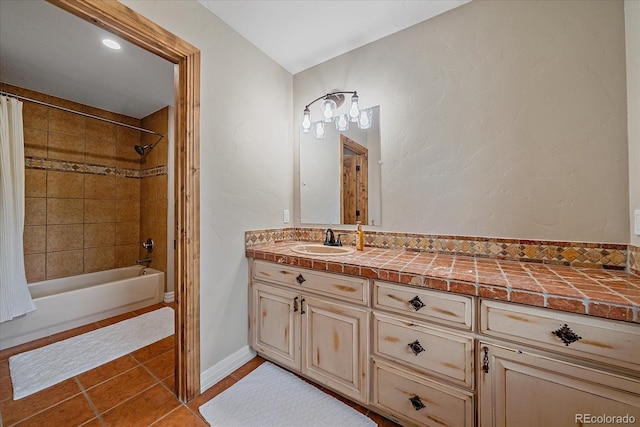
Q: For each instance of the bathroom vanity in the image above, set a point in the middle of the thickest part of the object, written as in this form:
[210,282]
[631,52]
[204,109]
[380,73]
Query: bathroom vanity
[432,349]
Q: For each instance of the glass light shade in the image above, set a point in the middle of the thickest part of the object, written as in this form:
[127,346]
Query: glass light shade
[354,109]
[306,121]
[366,118]
[318,130]
[328,105]
[342,123]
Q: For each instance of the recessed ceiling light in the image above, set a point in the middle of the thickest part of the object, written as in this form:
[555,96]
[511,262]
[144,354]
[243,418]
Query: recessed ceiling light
[111,43]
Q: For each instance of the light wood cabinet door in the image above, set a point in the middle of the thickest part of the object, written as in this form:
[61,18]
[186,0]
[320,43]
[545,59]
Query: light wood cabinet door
[529,390]
[335,342]
[275,324]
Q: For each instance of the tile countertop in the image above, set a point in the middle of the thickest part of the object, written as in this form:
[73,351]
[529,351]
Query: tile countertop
[610,294]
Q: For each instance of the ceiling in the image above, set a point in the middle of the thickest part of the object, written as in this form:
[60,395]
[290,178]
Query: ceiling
[301,34]
[49,50]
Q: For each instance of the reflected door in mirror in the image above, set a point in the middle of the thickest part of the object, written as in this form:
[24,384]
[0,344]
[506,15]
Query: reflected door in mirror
[354,195]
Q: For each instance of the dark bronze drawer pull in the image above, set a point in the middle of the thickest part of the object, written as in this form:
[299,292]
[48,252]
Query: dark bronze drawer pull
[295,304]
[416,347]
[416,303]
[417,403]
[566,335]
[302,306]
[300,279]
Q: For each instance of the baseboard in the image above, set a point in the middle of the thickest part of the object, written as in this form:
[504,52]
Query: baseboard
[169,297]
[226,366]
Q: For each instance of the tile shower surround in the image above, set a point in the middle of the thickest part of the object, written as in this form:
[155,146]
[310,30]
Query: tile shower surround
[600,292]
[84,188]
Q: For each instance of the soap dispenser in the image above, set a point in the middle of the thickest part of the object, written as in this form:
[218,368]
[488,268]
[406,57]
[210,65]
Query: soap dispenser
[359,237]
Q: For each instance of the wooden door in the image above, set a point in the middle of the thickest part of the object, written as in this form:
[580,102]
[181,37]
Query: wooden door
[529,390]
[275,324]
[335,342]
[354,185]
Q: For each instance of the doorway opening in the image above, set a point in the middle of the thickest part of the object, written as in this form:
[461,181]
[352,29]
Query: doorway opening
[124,22]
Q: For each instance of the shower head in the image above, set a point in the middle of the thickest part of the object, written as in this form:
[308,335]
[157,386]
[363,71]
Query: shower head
[141,149]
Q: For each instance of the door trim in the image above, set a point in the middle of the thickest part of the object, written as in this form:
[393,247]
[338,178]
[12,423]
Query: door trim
[124,22]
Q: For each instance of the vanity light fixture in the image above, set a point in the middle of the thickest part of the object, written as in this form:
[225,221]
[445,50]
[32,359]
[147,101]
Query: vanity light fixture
[330,103]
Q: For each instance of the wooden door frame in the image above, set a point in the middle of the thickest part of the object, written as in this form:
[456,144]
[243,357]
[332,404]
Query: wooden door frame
[346,142]
[124,22]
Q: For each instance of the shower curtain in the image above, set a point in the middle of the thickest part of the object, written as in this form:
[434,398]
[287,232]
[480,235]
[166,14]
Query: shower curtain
[15,299]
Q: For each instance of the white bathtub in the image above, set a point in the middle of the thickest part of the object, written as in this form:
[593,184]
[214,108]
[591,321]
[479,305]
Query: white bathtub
[66,303]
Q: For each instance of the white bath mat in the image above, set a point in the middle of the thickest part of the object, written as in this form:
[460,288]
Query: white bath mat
[272,397]
[38,369]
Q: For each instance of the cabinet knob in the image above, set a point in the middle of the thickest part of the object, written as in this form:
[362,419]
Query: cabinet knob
[566,335]
[416,347]
[416,303]
[417,403]
[300,279]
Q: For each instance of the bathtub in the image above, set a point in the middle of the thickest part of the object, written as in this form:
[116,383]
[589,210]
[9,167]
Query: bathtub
[69,302]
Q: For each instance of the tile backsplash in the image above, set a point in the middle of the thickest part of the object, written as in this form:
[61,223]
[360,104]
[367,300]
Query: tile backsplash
[576,254]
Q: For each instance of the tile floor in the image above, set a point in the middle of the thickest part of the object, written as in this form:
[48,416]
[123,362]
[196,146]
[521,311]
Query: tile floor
[134,390]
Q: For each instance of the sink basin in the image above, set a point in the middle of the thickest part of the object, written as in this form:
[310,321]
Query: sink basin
[318,249]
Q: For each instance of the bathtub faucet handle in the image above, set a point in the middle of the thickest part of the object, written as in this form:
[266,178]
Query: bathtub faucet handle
[148,245]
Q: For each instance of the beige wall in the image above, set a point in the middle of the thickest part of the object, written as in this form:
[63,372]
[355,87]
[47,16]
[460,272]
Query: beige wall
[632,27]
[246,162]
[498,119]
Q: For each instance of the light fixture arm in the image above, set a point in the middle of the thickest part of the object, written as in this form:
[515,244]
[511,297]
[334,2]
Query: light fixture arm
[329,95]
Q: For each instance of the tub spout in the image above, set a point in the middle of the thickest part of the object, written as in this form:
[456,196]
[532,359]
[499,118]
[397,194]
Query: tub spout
[144,261]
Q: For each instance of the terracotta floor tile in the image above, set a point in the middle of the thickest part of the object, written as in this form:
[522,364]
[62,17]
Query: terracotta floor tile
[6,388]
[31,345]
[115,391]
[211,393]
[151,308]
[142,410]
[170,383]
[72,412]
[92,423]
[248,367]
[154,350]
[16,410]
[181,417]
[162,366]
[115,319]
[4,368]
[106,371]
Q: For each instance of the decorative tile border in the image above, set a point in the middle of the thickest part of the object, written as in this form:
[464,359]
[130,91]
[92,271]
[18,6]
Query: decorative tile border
[65,166]
[634,259]
[575,254]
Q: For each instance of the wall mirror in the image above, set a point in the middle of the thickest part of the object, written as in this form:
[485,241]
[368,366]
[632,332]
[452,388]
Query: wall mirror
[340,179]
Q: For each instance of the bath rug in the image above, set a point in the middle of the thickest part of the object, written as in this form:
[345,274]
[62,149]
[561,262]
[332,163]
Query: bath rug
[272,397]
[38,369]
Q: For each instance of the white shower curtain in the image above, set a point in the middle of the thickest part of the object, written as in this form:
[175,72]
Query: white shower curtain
[15,299]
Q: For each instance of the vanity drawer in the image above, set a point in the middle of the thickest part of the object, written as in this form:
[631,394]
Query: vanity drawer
[430,350]
[346,288]
[418,399]
[445,308]
[607,341]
